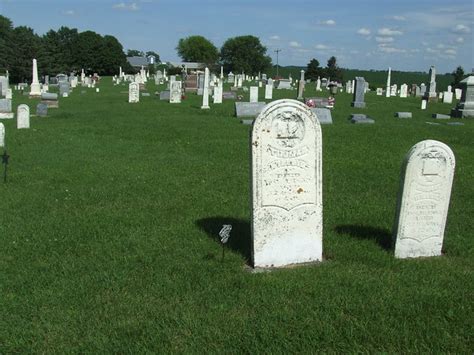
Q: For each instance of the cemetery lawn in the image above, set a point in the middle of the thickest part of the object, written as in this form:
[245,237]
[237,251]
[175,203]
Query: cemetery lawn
[109,235]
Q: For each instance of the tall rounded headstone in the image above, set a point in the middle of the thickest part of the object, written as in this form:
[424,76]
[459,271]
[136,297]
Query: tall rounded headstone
[2,135]
[423,201]
[23,116]
[286,146]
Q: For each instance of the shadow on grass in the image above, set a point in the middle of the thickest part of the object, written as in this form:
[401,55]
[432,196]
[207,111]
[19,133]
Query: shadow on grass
[382,237]
[239,240]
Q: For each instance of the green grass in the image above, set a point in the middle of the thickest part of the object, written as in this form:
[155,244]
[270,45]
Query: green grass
[109,235]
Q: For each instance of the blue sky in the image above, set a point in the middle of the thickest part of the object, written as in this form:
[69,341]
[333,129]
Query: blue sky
[362,34]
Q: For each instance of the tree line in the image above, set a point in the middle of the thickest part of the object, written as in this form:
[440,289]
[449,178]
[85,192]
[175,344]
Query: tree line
[244,53]
[61,51]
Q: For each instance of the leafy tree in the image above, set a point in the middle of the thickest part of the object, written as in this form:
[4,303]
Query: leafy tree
[458,75]
[6,52]
[332,71]
[26,46]
[157,56]
[245,53]
[197,49]
[313,70]
[134,53]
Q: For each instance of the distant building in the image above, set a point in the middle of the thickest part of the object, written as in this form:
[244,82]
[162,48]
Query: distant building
[137,61]
[188,65]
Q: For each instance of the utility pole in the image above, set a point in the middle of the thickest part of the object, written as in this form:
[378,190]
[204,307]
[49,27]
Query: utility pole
[277,51]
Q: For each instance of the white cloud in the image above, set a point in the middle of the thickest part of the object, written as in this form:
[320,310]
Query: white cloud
[275,38]
[128,7]
[387,49]
[69,13]
[363,31]
[327,22]
[294,44]
[398,18]
[384,39]
[321,46]
[389,32]
[460,40]
[461,29]
[450,51]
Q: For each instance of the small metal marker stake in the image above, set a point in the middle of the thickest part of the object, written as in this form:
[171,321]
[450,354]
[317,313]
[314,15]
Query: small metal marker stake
[225,235]
[5,158]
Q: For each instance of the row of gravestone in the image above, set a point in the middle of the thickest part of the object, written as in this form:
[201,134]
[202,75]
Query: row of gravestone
[286,175]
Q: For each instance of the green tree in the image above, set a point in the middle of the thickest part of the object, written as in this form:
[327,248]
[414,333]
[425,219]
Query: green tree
[26,46]
[197,49]
[332,71]
[458,75]
[134,53]
[313,70]
[245,53]
[6,50]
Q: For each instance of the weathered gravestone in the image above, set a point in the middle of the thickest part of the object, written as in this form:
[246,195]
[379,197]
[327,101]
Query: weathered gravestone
[165,95]
[6,109]
[2,135]
[465,108]
[403,114]
[268,91]
[133,92]
[64,88]
[23,116]
[360,118]
[286,146]
[229,95]
[248,109]
[359,93]
[217,95]
[50,99]
[322,114]
[175,92]
[253,94]
[284,84]
[426,180]
[42,109]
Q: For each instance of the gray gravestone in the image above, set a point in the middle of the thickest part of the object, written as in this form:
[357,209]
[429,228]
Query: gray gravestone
[403,114]
[359,92]
[42,109]
[358,118]
[248,109]
[323,115]
[165,95]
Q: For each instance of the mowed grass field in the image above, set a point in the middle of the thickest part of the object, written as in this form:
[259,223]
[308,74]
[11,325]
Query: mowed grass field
[109,235]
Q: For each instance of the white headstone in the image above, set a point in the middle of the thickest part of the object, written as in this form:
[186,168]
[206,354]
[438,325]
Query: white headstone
[458,93]
[35,89]
[424,200]
[286,146]
[218,91]
[9,94]
[175,92]
[388,90]
[2,135]
[318,85]
[404,91]
[448,97]
[423,104]
[133,92]
[268,91]
[254,94]
[23,116]
[205,95]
